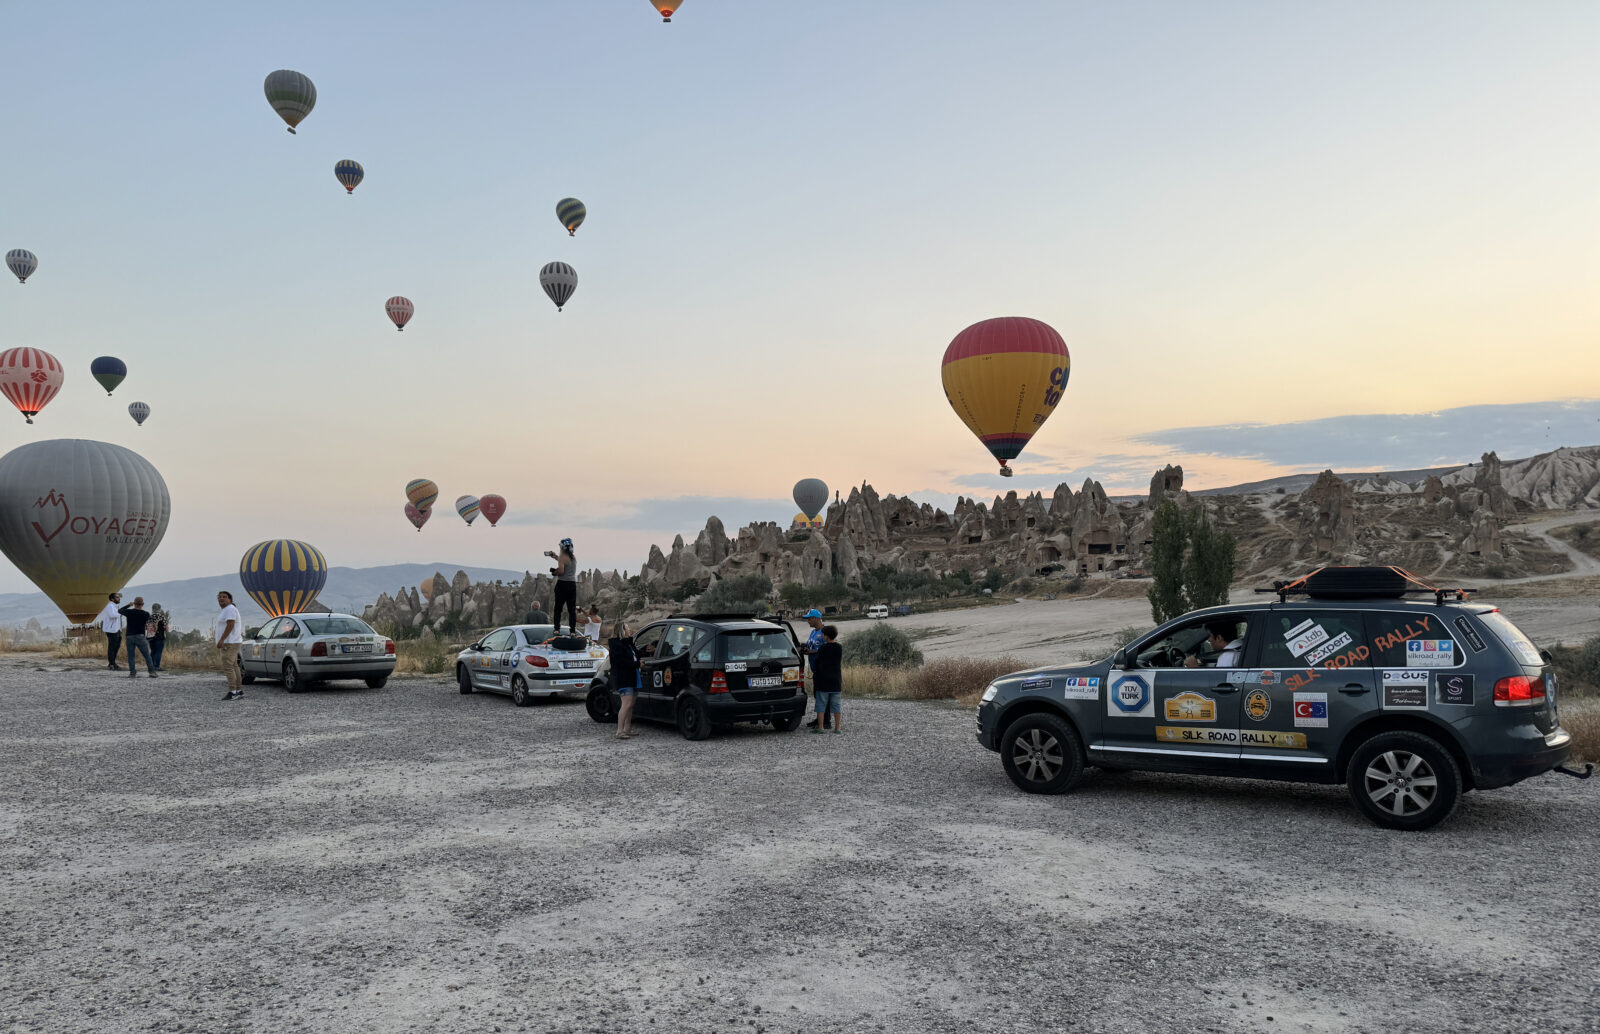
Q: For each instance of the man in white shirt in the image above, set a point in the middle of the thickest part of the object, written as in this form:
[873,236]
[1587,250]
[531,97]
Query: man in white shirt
[229,634]
[1221,638]
[110,622]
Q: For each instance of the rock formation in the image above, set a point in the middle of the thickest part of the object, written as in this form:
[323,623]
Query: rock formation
[1328,514]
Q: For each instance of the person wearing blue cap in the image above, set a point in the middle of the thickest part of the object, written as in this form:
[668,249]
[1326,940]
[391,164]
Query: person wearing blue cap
[812,647]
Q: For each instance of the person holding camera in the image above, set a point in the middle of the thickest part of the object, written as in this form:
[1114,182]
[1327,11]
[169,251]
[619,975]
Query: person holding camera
[566,575]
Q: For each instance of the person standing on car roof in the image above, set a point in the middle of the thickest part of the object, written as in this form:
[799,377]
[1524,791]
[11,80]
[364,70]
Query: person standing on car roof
[812,647]
[625,669]
[566,576]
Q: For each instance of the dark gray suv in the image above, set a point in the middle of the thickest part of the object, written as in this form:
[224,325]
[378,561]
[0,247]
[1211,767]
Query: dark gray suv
[1342,678]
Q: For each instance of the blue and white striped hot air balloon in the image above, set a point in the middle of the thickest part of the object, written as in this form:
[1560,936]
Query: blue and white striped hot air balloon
[349,173]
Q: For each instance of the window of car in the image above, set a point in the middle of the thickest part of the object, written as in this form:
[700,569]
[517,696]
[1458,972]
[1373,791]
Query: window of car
[535,635]
[678,640]
[1412,639]
[647,639]
[1313,639]
[499,639]
[265,631]
[1192,637]
[287,629]
[756,645]
[337,625]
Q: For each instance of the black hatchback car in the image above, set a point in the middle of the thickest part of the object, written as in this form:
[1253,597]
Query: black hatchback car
[700,672]
[1341,679]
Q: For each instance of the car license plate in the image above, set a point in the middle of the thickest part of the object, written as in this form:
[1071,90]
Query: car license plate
[577,664]
[361,648]
[766,681]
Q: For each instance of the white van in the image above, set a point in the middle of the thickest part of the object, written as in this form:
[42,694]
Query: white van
[878,610]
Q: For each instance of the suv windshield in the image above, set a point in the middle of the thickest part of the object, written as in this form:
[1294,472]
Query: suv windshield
[758,646]
[336,626]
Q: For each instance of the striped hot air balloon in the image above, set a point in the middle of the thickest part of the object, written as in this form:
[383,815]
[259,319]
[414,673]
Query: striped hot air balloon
[30,378]
[291,95]
[283,576]
[109,371]
[22,263]
[349,173]
[572,214]
[1003,377]
[493,507]
[667,8]
[400,310]
[559,280]
[467,506]
[422,493]
[417,517]
[140,411]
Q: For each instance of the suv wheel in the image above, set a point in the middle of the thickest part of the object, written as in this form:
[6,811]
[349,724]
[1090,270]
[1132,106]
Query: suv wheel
[291,677]
[598,704]
[463,680]
[1404,780]
[693,721]
[789,724]
[1042,754]
[519,691]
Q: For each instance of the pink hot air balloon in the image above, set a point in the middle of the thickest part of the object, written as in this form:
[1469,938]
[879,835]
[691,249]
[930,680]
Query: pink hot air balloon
[416,516]
[30,378]
[492,507]
[400,310]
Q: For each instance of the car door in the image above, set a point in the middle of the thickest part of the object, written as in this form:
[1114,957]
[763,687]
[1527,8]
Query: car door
[652,687]
[1310,680]
[281,645]
[253,653]
[1162,714]
[493,663]
[673,661]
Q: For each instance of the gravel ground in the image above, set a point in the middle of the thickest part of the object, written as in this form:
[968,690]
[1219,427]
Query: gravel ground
[409,859]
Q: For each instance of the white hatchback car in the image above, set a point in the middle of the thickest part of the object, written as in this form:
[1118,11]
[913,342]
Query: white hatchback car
[528,661]
[304,649]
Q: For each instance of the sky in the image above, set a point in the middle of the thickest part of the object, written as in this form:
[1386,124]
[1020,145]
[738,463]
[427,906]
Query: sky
[1273,236]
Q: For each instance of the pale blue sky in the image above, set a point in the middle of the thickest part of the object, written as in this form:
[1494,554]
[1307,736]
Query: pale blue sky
[1262,213]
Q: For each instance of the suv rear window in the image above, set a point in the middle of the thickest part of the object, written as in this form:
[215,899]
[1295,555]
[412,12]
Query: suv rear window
[336,626]
[1514,638]
[758,646]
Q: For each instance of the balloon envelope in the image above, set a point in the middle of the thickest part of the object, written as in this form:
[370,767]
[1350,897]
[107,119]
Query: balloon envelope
[667,8]
[30,378]
[349,173]
[1004,377]
[291,95]
[559,280]
[400,310]
[467,507]
[80,518]
[422,493]
[811,495]
[493,507]
[417,517]
[571,213]
[140,411]
[22,263]
[283,576]
[109,371]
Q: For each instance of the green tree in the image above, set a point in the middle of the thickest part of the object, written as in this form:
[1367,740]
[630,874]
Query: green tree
[1170,535]
[746,593]
[1191,563]
[1209,570]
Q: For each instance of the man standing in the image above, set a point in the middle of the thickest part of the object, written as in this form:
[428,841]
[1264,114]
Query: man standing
[229,634]
[138,619]
[110,622]
[536,614]
[812,647]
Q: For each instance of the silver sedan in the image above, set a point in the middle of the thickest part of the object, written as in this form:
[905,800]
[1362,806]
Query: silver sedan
[304,649]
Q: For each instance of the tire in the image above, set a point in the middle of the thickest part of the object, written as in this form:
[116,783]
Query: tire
[377,682]
[519,691]
[1042,754]
[245,677]
[789,724]
[463,680]
[291,677]
[1404,780]
[598,704]
[693,721]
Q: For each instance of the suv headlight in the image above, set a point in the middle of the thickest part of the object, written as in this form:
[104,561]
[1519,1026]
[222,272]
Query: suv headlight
[990,693]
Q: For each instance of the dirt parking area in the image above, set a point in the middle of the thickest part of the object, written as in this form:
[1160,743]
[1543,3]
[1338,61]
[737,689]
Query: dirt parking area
[408,859]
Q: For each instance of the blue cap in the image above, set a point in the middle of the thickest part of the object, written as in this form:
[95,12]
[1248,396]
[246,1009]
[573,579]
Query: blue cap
[813,613]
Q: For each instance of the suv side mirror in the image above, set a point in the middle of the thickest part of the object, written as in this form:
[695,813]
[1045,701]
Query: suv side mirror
[1119,659]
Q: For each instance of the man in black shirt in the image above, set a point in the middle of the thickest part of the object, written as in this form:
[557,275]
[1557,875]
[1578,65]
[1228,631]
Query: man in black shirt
[536,615]
[137,638]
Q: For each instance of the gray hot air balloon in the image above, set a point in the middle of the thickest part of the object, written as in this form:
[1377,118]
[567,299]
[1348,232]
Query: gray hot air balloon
[811,495]
[291,95]
[80,518]
[559,280]
[140,411]
[22,263]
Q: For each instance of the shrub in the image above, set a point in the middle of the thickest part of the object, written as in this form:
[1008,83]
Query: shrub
[1583,722]
[1073,585]
[1022,586]
[1125,635]
[1495,571]
[881,646]
[958,678]
[687,588]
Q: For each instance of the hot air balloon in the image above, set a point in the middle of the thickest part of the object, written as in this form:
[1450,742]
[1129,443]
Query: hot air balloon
[422,493]
[667,8]
[30,378]
[291,95]
[140,411]
[467,507]
[283,576]
[400,310]
[109,371]
[811,495]
[416,516]
[493,507]
[80,518]
[349,173]
[559,280]
[22,262]
[1003,377]
[571,213]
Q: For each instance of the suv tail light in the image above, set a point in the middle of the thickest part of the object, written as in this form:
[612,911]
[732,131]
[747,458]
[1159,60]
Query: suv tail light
[319,649]
[719,682]
[1519,691]
[388,646]
[535,661]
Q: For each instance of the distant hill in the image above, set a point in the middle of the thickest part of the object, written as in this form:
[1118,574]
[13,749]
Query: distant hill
[193,601]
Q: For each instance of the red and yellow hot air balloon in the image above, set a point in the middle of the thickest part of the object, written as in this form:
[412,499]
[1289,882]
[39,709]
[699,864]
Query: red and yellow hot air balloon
[1003,377]
[667,8]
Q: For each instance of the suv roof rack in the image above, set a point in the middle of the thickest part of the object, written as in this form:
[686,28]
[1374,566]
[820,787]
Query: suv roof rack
[1361,583]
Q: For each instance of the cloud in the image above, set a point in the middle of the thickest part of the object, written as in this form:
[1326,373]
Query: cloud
[1396,441]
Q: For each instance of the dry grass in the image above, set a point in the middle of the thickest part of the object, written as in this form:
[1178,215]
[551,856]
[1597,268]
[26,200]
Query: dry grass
[1582,719]
[9,644]
[424,657]
[960,679]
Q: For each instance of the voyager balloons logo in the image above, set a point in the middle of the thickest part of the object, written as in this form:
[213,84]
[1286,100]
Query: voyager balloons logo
[122,530]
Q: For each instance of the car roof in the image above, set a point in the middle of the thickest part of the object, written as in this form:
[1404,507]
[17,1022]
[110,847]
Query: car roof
[316,614]
[725,622]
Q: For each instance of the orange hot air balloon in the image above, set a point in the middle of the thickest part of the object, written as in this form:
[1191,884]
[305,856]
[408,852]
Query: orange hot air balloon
[1003,377]
[667,8]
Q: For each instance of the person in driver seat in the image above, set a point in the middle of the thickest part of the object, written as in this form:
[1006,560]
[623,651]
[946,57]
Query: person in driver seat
[1221,638]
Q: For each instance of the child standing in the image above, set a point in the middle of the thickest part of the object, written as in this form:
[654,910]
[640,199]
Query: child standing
[827,675]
